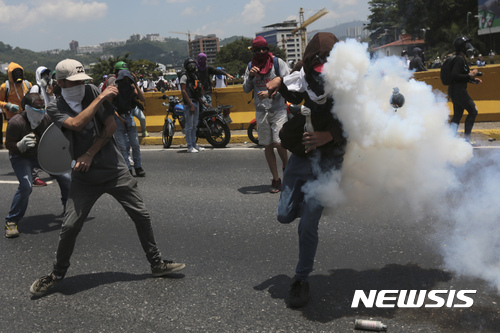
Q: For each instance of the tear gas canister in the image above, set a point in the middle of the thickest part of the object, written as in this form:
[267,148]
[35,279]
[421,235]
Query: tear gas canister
[369,325]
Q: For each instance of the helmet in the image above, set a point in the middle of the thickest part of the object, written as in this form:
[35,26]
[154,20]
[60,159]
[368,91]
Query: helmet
[121,65]
[463,44]
[179,109]
[190,65]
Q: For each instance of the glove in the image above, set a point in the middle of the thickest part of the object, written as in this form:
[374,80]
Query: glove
[12,107]
[29,141]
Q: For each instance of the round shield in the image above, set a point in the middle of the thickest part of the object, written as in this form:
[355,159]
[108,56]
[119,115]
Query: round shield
[53,151]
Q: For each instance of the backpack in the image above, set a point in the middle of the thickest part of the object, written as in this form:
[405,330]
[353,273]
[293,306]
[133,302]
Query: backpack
[7,88]
[193,84]
[276,66]
[446,77]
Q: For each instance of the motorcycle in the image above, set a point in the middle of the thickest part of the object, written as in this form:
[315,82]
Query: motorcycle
[252,132]
[211,125]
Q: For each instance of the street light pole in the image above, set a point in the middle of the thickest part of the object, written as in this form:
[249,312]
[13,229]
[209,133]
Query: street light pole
[468,13]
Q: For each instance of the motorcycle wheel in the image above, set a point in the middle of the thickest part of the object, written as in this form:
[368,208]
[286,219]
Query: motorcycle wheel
[253,134]
[221,135]
[167,135]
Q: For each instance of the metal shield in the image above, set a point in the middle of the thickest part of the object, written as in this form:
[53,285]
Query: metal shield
[53,151]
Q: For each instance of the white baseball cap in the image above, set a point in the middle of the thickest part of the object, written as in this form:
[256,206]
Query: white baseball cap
[71,70]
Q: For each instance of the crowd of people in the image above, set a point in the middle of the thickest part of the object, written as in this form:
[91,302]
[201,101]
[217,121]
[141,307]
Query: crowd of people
[98,123]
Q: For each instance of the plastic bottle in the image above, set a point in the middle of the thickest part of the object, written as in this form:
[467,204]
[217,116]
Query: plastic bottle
[308,127]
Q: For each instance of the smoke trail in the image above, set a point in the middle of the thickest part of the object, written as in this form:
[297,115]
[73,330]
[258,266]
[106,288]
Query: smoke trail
[405,159]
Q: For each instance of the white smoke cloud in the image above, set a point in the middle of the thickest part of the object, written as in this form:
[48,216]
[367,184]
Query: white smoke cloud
[408,160]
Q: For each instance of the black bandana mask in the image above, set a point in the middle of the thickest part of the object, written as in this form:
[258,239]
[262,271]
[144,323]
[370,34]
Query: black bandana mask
[17,75]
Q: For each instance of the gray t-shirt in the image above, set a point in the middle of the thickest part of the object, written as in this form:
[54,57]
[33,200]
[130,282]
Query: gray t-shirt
[108,163]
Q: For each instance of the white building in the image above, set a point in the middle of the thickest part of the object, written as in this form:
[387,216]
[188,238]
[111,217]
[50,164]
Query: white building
[279,34]
[89,49]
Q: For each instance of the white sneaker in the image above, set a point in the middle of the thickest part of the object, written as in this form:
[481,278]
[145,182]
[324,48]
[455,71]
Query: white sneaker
[199,148]
[192,150]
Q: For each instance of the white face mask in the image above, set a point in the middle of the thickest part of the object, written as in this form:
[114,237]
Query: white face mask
[35,116]
[74,96]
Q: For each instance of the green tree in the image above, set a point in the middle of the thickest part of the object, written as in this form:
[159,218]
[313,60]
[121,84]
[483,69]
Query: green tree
[107,66]
[235,56]
[439,22]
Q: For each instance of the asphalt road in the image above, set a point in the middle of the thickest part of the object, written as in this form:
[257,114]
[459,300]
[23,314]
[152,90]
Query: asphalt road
[212,211]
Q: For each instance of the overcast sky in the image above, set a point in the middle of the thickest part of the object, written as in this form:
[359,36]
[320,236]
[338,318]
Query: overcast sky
[45,25]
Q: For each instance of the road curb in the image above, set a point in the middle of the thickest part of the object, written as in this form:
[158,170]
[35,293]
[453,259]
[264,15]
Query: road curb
[155,139]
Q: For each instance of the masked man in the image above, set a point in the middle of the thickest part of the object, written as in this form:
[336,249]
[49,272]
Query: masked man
[23,134]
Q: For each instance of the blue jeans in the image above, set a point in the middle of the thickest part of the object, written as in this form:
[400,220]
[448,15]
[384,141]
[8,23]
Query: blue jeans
[191,119]
[293,203]
[126,137]
[23,167]
[136,112]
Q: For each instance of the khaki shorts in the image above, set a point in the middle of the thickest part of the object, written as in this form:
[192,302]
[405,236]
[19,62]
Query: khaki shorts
[269,125]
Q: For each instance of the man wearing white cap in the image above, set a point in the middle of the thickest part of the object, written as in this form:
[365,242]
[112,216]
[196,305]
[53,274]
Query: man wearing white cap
[85,116]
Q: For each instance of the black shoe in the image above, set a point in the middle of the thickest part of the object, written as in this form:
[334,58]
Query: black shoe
[299,294]
[139,172]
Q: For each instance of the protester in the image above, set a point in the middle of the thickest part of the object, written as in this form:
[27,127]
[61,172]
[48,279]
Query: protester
[24,132]
[219,80]
[461,75]
[312,153]
[191,90]
[204,74]
[480,61]
[417,63]
[86,118]
[270,113]
[44,85]
[14,89]
[126,131]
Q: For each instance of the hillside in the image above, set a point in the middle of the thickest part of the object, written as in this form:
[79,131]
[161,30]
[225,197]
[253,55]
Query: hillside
[173,51]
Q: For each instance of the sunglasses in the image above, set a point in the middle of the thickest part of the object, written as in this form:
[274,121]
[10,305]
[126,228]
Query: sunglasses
[260,49]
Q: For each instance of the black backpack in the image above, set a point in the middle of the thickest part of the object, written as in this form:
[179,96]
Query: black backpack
[446,77]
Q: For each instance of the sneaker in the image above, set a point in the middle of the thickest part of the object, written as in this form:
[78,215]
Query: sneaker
[39,182]
[275,186]
[139,172]
[198,148]
[166,267]
[144,134]
[299,293]
[192,150]
[11,230]
[130,161]
[43,284]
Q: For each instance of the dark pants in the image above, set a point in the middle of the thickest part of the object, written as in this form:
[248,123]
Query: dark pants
[462,101]
[82,197]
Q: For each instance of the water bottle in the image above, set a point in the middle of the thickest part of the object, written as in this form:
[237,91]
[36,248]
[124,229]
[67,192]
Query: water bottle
[308,127]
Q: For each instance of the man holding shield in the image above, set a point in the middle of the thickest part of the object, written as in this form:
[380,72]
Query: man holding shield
[23,134]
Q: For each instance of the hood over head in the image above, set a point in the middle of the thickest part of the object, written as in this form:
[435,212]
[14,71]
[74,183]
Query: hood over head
[316,53]
[11,68]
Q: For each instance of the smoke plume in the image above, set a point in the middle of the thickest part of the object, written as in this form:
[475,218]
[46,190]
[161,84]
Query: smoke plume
[407,159]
